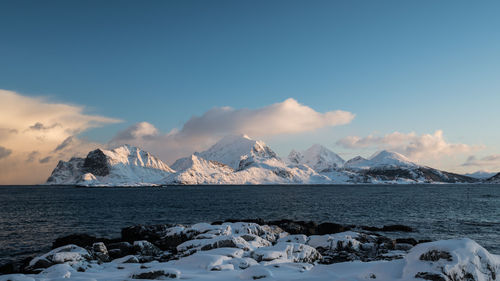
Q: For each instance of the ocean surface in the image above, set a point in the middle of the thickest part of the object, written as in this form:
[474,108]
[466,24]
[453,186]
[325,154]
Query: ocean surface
[31,217]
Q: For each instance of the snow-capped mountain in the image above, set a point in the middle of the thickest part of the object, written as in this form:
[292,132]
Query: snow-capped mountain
[125,165]
[494,179]
[381,159]
[392,167]
[481,175]
[318,157]
[238,152]
[240,160]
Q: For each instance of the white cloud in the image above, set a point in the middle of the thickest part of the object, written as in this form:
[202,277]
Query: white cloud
[415,147]
[38,133]
[199,132]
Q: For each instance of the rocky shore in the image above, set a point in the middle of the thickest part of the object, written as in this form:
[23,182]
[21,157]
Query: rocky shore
[257,249]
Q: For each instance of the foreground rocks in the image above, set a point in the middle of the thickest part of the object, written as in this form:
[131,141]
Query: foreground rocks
[251,250]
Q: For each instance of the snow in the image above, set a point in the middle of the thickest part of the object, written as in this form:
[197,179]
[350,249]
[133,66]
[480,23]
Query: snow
[481,174]
[318,157]
[381,159]
[292,257]
[232,150]
[127,165]
[241,160]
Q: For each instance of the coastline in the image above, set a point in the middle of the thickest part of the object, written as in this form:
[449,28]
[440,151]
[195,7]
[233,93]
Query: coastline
[257,249]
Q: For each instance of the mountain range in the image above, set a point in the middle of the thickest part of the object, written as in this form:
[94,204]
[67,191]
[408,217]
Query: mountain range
[242,160]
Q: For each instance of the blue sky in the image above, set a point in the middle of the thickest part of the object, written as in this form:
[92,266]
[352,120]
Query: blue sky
[406,66]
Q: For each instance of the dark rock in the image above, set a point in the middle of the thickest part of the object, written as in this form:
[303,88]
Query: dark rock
[120,249]
[82,240]
[96,163]
[145,232]
[331,228]
[389,228]
[410,241]
[430,276]
[397,227]
[146,248]
[100,252]
[435,255]
[154,274]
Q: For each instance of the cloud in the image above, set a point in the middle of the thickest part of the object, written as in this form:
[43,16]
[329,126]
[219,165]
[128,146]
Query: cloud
[45,160]
[288,117]
[416,147]
[491,161]
[66,142]
[32,155]
[28,123]
[39,126]
[199,132]
[4,152]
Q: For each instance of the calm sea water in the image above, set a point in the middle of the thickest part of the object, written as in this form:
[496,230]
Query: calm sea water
[31,217]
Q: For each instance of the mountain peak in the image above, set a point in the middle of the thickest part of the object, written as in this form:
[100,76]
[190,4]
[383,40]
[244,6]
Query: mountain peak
[232,149]
[318,157]
[380,159]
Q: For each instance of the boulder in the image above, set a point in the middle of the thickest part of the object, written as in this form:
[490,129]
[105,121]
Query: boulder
[146,248]
[100,252]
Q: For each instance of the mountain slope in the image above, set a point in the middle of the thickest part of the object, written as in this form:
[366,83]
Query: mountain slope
[318,157]
[125,165]
[494,179]
[238,152]
[382,159]
[392,167]
[240,160]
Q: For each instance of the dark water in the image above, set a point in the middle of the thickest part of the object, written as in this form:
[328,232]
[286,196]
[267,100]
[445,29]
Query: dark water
[31,217]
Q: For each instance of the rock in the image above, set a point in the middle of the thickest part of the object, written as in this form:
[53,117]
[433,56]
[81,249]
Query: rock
[70,254]
[159,274]
[146,248]
[295,238]
[389,228]
[120,249]
[403,247]
[397,227]
[127,259]
[286,252]
[331,228]
[192,246]
[435,255]
[162,235]
[100,252]
[82,240]
[429,276]
[410,241]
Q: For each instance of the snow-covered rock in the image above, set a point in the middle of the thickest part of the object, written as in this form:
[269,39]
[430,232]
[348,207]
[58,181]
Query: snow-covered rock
[69,254]
[123,166]
[293,257]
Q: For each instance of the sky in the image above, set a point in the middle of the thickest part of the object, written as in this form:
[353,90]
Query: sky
[417,77]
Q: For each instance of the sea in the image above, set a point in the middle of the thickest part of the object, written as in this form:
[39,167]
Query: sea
[32,217]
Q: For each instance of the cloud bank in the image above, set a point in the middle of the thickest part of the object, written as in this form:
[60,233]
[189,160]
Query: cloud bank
[36,133]
[490,162]
[415,147]
[199,132]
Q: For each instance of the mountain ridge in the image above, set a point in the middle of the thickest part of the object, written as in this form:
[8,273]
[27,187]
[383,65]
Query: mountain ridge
[239,159]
